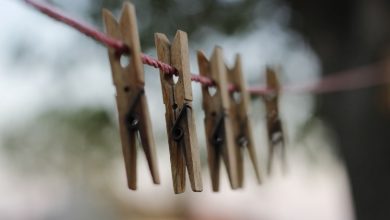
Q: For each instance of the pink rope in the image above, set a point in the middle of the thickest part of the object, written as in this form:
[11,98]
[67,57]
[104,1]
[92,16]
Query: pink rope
[353,79]
[343,81]
[83,28]
[158,65]
[202,80]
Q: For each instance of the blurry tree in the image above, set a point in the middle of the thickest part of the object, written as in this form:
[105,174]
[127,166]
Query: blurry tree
[166,16]
[62,141]
[347,34]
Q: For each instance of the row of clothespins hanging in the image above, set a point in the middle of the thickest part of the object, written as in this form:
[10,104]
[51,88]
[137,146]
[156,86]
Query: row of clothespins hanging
[228,129]
[227,124]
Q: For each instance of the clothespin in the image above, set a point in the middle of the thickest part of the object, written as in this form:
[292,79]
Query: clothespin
[182,138]
[242,127]
[218,125]
[130,95]
[274,125]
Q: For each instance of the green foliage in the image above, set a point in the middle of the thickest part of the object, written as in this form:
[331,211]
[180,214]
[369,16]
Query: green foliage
[59,140]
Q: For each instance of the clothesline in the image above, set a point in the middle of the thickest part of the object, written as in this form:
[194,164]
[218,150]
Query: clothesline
[352,79]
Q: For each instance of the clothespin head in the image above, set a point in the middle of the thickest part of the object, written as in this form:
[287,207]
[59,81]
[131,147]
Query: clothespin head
[218,126]
[182,138]
[274,124]
[242,128]
[131,101]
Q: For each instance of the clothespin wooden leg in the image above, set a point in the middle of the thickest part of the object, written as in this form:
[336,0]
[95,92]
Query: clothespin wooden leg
[147,140]
[131,101]
[132,164]
[218,125]
[240,104]
[271,148]
[183,143]
[214,160]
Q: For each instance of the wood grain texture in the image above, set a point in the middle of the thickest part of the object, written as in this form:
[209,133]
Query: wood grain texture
[217,107]
[241,124]
[129,82]
[184,153]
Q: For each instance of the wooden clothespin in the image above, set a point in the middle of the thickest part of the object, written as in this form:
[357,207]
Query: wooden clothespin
[130,95]
[182,138]
[274,125]
[242,128]
[218,125]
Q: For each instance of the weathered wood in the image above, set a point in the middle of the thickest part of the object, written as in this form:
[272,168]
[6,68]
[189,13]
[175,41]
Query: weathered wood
[218,126]
[274,124]
[131,101]
[242,128]
[180,122]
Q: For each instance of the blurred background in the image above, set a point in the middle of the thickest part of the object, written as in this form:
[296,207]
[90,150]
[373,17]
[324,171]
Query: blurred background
[60,154]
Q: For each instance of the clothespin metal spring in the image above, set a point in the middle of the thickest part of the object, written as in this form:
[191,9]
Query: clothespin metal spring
[132,119]
[177,131]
